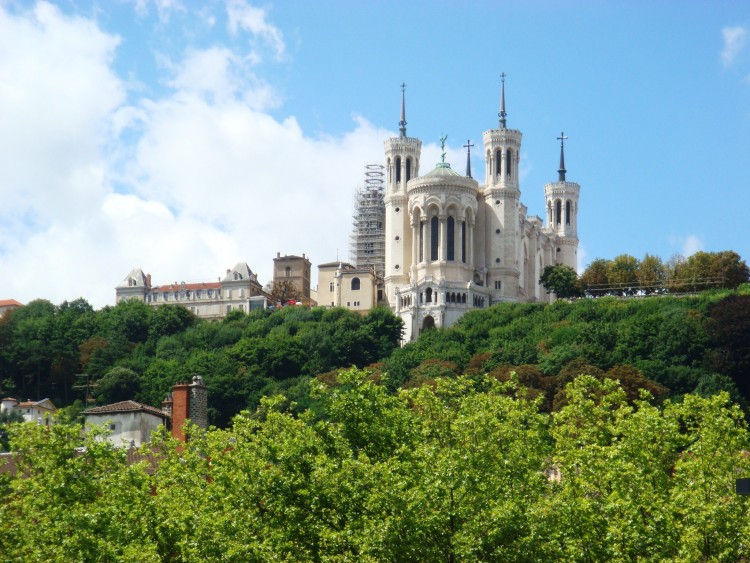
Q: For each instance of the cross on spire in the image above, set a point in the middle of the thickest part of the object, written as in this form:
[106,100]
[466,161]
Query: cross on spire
[402,123]
[502,113]
[468,146]
[561,171]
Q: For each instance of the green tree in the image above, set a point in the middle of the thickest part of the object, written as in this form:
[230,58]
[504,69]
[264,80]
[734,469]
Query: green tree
[118,384]
[651,274]
[595,278]
[623,274]
[561,280]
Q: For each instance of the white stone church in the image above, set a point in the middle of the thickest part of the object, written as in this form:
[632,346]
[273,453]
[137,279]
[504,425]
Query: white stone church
[453,244]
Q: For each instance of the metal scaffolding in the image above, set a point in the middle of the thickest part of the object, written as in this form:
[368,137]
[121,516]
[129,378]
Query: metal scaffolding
[367,241]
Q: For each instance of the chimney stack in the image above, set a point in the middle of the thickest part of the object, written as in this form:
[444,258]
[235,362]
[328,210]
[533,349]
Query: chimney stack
[189,401]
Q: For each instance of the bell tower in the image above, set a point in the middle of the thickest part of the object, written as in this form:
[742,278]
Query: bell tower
[562,213]
[402,156]
[502,150]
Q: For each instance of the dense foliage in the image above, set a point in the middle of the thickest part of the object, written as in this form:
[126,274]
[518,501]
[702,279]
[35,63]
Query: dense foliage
[134,351]
[463,469]
[668,345]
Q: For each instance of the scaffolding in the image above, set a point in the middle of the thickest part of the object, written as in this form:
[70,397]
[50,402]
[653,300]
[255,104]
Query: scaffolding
[367,241]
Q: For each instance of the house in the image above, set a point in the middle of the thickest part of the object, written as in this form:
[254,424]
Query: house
[8,305]
[32,411]
[131,423]
[238,290]
[344,285]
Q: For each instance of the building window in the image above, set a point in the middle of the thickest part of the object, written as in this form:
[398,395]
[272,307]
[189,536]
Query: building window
[508,163]
[567,212]
[463,241]
[558,212]
[434,238]
[498,285]
[288,271]
[241,307]
[398,169]
[229,309]
[451,238]
[355,284]
[408,169]
[330,287]
[421,241]
[348,304]
[428,295]
[498,161]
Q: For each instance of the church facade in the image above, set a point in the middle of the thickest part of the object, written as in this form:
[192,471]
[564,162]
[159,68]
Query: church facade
[452,244]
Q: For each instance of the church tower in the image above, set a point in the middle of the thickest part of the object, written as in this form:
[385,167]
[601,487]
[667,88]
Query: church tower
[502,150]
[402,156]
[562,214]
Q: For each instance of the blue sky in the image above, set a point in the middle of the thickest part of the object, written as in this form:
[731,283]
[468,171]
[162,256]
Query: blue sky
[184,137]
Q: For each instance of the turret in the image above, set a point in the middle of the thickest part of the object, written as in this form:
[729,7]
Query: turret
[402,156]
[499,267]
[562,213]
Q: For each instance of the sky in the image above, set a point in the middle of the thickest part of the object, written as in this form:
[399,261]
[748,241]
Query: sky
[184,137]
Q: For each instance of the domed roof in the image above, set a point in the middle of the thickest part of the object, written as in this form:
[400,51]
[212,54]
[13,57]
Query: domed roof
[442,170]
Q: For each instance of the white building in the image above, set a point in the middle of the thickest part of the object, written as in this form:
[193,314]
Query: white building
[32,411]
[130,423]
[238,290]
[453,244]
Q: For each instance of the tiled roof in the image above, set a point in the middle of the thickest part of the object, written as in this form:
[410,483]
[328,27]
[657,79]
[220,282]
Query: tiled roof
[126,406]
[187,286]
[10,303]
[41,404]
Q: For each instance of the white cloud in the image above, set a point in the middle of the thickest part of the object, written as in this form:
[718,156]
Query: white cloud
[734,42]
[245,17]
[689,244]
[57,92]
[184,185]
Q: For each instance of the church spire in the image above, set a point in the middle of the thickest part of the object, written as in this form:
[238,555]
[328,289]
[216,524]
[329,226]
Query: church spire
[468,146]
[402,123]
[502,113]
[561,172]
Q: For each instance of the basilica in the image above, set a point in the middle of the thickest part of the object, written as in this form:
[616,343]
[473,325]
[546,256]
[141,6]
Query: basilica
[453,244]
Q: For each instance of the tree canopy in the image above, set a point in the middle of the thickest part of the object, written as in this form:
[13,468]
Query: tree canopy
[464,469]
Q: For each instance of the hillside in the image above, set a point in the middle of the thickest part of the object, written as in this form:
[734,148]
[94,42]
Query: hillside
[669,345]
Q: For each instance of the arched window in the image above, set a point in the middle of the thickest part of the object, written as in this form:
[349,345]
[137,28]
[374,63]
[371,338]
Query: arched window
[558,212]
[408,169]
[434,238]
[421,241]
[567,212]
[463,298]
[428,323]
[463,241]
[498,161]
[428,295]
[451,238]
[398,169]
[508,162]
[355,284]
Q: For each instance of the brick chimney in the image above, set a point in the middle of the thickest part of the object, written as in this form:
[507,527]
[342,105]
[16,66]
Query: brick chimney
[189,401]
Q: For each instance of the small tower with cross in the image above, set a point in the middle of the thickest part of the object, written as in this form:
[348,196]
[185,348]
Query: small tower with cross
[402,156]
[562,213]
